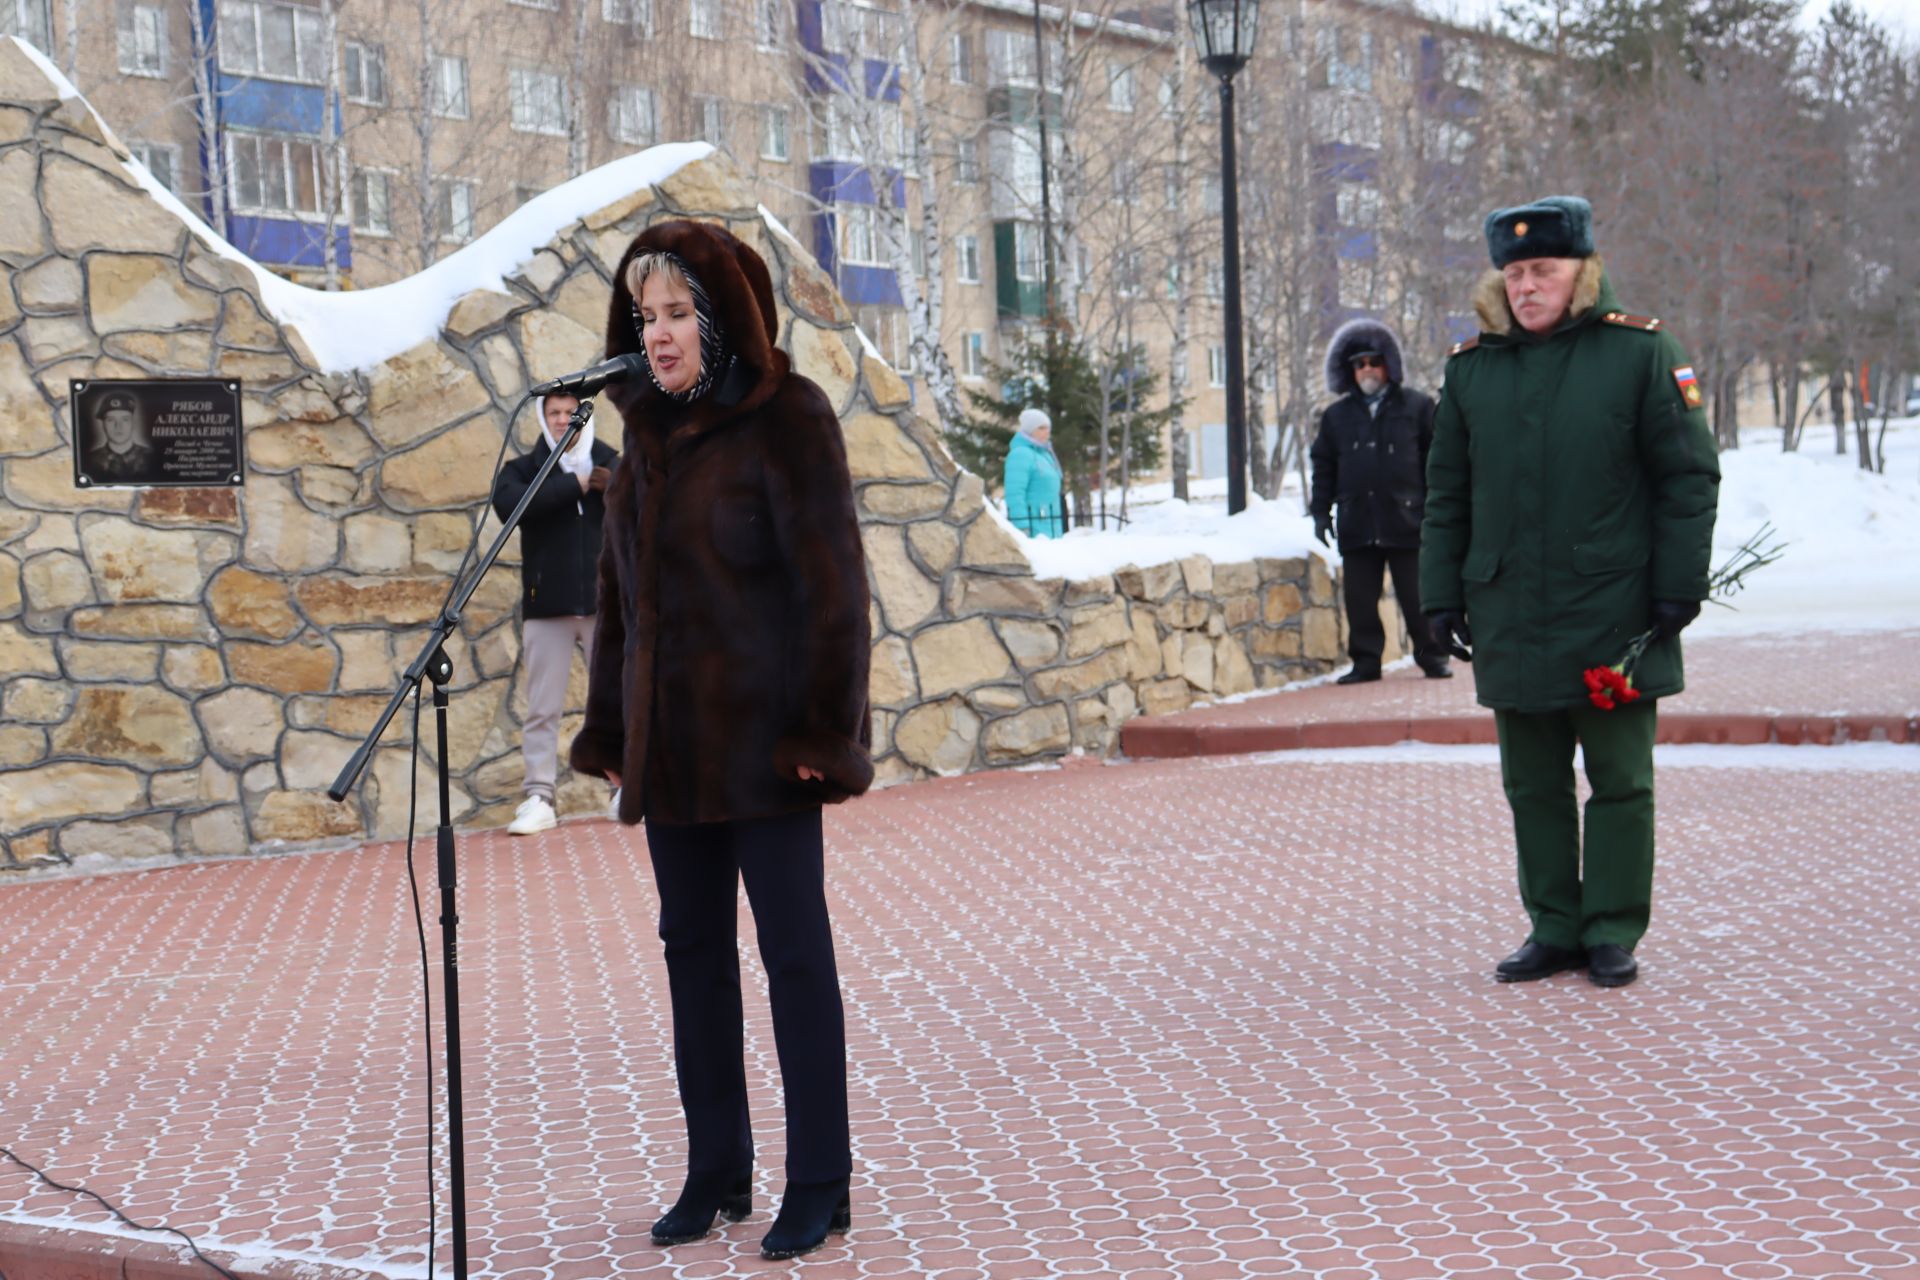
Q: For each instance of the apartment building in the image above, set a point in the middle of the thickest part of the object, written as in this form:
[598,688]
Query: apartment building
[356,141]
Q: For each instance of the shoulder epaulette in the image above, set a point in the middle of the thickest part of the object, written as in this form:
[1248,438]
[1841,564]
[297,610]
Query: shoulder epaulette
[1646,324]
[1461,348]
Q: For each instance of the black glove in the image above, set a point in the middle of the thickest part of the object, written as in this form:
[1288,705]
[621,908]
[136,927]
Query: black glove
[1668,618]
[1322,526]
[1448,627]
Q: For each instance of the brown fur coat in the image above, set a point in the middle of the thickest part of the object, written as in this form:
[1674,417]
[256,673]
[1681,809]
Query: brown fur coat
[732,644]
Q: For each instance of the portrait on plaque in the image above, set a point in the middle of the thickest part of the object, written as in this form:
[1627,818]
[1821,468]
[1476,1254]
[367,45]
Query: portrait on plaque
[155,432]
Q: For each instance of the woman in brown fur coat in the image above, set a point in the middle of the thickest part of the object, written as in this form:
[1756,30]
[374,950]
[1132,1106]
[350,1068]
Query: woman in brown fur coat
[728,701]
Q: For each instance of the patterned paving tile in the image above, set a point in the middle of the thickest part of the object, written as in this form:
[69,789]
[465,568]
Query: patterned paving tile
[1226,1017]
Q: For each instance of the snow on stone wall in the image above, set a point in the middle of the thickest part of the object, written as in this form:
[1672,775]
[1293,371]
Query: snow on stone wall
[183,671]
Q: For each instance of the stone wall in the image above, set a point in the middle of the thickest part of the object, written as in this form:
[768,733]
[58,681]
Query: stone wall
[183,671]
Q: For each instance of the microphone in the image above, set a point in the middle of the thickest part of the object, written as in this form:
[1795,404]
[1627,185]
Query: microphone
[587,381]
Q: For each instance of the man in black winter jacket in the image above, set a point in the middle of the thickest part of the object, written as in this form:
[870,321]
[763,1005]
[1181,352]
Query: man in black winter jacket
[559,574]
[1370,466]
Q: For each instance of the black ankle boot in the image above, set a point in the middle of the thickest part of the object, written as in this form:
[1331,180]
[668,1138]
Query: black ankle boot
[728,1195]
[808,1212]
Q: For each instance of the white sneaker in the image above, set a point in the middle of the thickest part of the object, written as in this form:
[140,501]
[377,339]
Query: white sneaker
[533,815]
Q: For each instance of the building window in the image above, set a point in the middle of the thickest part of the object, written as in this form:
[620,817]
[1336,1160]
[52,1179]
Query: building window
[1216,279]
[453,209]
[272,41]
[1217,365]
[1120,88]
[1121,177]
[1347,57]
[710,115]
[1126,273]
[1357,204]
[770,24]
[450,87]
[1210,195]
[637,14]
[143,40]
[366,74]
[537,4]
[1356,284]
[1012,58]
[1169,96]
[967,259]
[373,201]
[775,143]
[1173,279]
[538,101]
[886,327]
[966,161]
[960,58]
[1026,253]
[274,174]
[864,29]
[28,19]
[703,18]
[973,355]
[162,161]
[633,115]
[859,236]
[1175,184]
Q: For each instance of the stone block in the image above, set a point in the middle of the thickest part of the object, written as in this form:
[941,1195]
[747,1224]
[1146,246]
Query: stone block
[146,837]
[130,563]
[1273,642]
[304,817]
[1091,590]
[939,736]
[241,724]
[142,622]
[884,386]
[144,725]
[936,544]
[1291,569]
[89,210]
[1232,672]
[9,587]
[246,603]
[1085,677]
[421,389]
[192,668]
[812,295]
[145,291]
[991,545]
[110,660]
[1282,603]
[891,681]
[378,543]
[482,309]
[1143,647]
[30,700]
[453,469]
[1097,627]
[1235,579]
[67,789]
[822,355]
[1184,613]
[46,481]
[55,284]
[956,656]
[50,338]
[907,597]
[1122,704]
[708,186]
[283,668]
[337,600]
[1032,644]
[1149,584]
[969,498]
[997,699]
[970,592]
[1164,697]
[193,507]
[367,659]
[26,419]
[167,354]
[1319,581]
[903,501]
[583,300]
[21,744]
[500,362]
[1197,572]
[877,449]
[1320,633]
[242,324]
[23,236]
[218,832]
[1030,733]
[621,210]
[311,761]
[1196,663]
[1238,611]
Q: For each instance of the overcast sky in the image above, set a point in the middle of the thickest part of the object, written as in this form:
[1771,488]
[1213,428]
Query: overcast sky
[1900,15]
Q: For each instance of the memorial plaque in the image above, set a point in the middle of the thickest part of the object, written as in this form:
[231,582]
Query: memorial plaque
[152,432]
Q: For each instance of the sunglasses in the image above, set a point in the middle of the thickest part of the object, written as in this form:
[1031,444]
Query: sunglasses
[1369,362]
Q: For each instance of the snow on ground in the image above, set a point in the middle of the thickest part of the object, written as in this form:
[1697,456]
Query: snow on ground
[1852,558]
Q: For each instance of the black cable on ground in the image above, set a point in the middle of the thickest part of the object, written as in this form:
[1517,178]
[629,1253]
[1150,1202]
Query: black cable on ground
[426,974]
[122,1218]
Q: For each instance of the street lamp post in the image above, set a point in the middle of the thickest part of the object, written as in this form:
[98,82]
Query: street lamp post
[1223,32]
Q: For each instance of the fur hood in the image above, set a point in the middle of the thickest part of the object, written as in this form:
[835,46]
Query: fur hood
[1490,296]
[742,291]
[1354,337]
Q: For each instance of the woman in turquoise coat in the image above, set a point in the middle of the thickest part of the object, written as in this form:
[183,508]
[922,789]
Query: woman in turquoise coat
[1032,478]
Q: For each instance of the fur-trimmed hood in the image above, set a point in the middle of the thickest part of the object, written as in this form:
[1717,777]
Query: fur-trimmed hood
[1495,316]
[737,281]
[1349,340]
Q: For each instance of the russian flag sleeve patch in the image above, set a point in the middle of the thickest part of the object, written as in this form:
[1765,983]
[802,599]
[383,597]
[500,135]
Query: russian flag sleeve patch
[1689,385]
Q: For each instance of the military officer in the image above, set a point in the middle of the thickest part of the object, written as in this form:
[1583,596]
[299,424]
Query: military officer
[1571,492]
[122,453]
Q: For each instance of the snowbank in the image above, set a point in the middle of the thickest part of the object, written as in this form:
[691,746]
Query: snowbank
[1852,561]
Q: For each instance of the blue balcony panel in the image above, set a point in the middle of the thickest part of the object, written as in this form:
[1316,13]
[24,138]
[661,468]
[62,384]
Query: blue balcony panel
[287,242]
[246,103]
[840,182]
[1355,244]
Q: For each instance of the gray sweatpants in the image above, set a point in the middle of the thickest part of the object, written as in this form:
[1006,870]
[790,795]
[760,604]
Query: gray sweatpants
[547,646]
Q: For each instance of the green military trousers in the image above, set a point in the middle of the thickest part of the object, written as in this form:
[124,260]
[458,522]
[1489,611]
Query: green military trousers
[1607,896]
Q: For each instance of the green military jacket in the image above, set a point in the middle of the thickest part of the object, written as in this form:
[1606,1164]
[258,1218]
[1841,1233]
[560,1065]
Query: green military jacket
[1572,481]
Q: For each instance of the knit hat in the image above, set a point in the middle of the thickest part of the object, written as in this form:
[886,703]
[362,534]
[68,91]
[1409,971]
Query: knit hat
[1551,227]
[1032,420]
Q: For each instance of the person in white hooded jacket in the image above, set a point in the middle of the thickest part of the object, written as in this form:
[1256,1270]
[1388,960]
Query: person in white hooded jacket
[559,574]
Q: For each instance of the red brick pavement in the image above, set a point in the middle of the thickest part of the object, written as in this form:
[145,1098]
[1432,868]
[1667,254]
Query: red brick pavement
[1206,1019]
[1811,688]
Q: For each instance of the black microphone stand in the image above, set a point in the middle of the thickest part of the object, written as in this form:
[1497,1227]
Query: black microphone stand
[433,664]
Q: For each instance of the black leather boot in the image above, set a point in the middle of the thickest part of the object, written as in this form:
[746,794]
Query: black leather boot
[808,1213]
[1360,675]
[1611,965]
[705,1195]
[1537,960]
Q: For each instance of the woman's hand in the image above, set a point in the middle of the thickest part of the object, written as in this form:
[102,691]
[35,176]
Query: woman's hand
[613,777]
[811,775]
